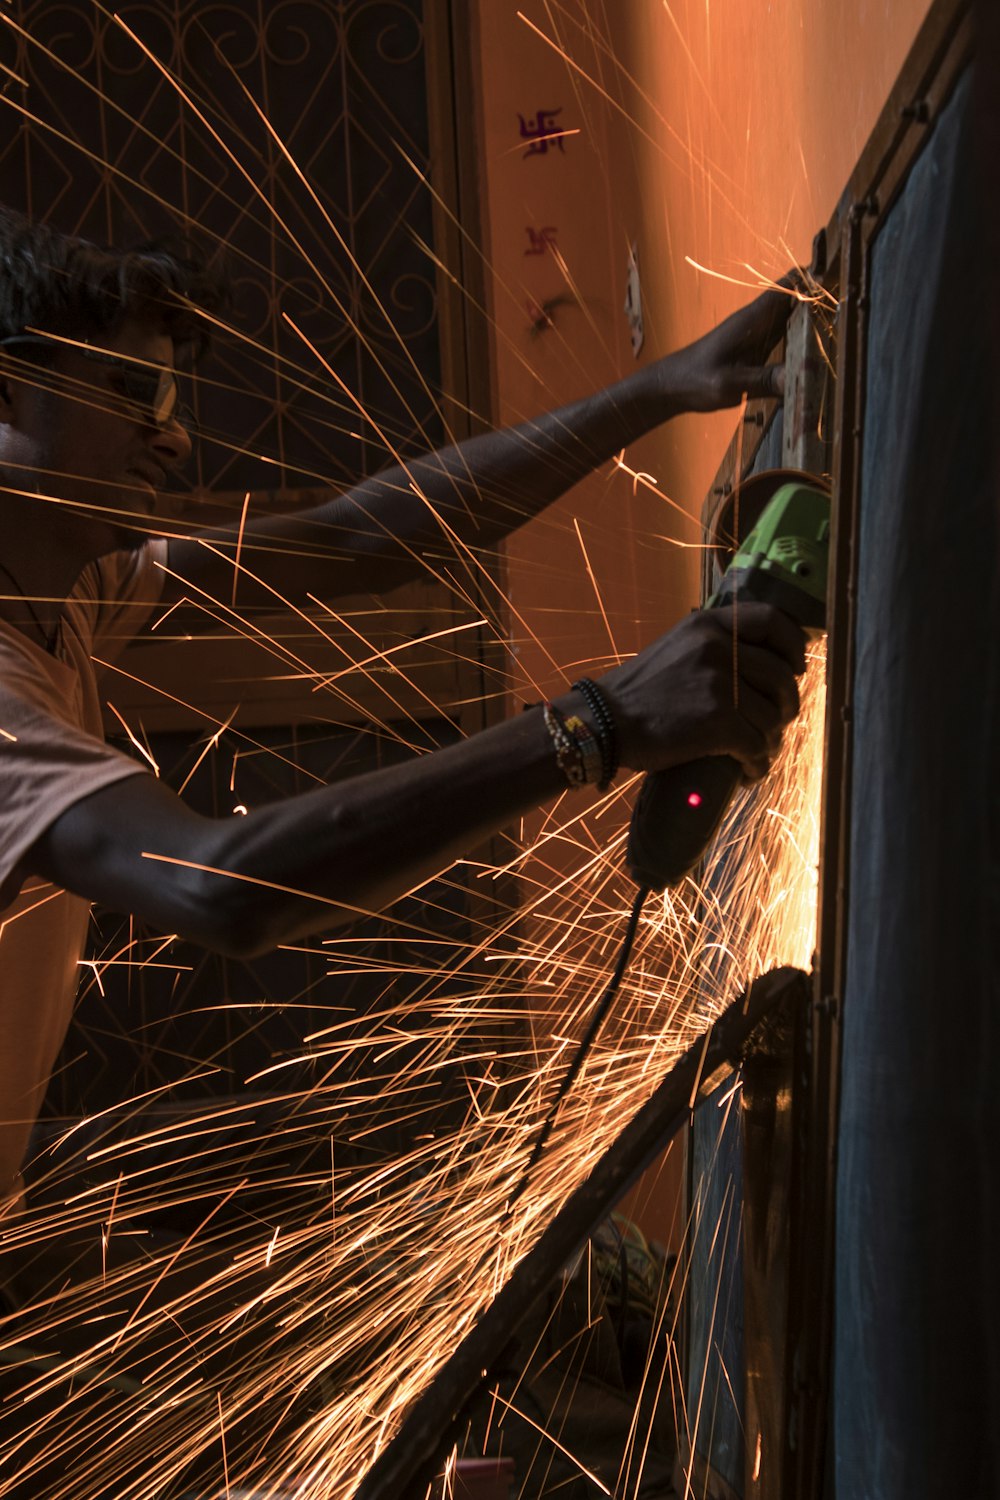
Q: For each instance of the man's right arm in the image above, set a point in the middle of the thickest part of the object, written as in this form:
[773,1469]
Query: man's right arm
[245,884]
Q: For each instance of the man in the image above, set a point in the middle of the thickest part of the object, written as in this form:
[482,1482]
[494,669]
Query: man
[89,432]
[92,549]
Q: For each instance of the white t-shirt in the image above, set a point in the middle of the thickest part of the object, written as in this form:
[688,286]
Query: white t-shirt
[52,753]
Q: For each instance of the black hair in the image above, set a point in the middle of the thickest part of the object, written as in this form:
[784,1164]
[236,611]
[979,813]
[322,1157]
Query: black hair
[60,283]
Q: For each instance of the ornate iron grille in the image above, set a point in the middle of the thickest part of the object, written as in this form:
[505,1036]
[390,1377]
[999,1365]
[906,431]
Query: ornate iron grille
[293,134]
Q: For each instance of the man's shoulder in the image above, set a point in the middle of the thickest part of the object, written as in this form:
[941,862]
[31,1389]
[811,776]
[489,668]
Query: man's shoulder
[136,573]
[114,596]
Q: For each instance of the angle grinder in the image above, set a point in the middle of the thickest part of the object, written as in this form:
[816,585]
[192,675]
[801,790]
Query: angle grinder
[782,561]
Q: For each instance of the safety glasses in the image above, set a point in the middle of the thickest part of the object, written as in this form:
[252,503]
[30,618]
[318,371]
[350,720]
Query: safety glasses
[149,391]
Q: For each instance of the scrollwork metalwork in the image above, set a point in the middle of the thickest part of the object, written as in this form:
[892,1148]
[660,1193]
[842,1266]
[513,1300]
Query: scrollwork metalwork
[410,292]
[315,29]
[64,28]
[125,57]
[230,27]
[386,23]
[342,82]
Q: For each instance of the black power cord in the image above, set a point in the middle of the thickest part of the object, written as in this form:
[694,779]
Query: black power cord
[583,1050]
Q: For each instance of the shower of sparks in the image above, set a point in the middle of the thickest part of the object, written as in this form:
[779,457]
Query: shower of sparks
[615,656]
[142,749]
[350,1326]
[286,1347]
[239,546]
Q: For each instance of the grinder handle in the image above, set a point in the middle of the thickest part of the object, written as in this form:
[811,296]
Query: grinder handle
[675,815]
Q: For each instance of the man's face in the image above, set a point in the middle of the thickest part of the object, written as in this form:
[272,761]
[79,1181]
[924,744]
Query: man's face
[76,433]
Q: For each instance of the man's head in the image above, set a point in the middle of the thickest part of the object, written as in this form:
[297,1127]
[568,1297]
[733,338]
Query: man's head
[59,283]
[90,340]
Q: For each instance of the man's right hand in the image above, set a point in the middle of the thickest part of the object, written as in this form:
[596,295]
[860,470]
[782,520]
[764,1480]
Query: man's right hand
[722,682]
[303,864]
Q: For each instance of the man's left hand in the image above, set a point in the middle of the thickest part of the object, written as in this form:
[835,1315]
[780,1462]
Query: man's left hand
[727,364]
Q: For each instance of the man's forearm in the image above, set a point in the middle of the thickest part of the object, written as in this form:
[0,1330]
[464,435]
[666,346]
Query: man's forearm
[244,884]
[356,847]
[486,486]
[380,533]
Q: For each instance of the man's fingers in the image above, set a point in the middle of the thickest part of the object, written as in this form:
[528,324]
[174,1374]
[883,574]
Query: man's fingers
[759,733]
[794,281]
[763,625]
[771,679]
[766,381]
[753,749]
[767,315]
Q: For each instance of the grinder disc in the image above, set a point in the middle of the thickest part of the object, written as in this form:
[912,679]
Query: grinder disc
[739,511]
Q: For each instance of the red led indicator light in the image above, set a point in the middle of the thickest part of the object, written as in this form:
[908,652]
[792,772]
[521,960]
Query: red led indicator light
[694,799]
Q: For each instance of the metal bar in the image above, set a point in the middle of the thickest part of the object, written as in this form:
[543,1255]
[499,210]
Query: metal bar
[766,1114]
[807,379]
[808,1346]
[924,87]
[407,1465]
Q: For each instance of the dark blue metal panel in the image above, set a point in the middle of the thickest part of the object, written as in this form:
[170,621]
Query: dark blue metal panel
[917,1379]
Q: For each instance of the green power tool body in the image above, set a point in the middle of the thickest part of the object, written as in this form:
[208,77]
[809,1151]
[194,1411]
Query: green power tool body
[783,561]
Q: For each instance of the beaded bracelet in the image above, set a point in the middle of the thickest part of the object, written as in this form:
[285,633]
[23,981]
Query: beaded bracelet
[607,734]
[589,747]
[578,752]
[568,755]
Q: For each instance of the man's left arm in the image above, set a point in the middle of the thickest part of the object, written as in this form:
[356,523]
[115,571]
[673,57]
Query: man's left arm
[388,529]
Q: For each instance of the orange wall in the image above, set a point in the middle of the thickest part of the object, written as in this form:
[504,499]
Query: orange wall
[721,130]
